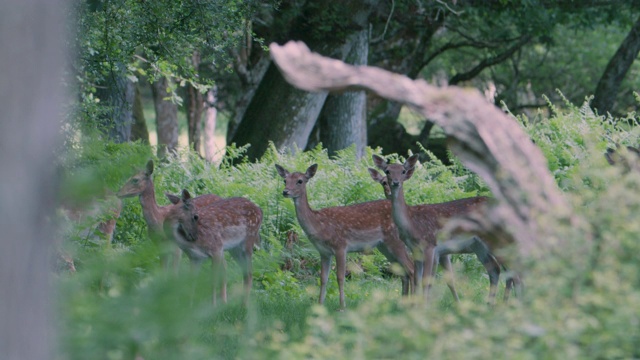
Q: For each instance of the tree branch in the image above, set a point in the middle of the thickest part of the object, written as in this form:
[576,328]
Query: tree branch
[485,139]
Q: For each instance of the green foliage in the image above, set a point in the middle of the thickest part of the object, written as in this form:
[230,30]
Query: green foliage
[580,302]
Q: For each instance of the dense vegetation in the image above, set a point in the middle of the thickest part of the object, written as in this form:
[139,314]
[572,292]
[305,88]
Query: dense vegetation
[582,302]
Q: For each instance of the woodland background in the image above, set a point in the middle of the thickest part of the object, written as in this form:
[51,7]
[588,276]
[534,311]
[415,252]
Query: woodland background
[178,81]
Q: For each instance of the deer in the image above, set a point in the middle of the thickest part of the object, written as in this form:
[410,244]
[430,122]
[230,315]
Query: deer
[419,225]
[141,185]
[628,160]
[206,231]
[335,231]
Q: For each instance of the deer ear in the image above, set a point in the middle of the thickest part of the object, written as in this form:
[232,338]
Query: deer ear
[311,171]
[282,171]
[375,175]
[409,173]
[379,162]
[633,150]
[149,169]
[185,195]
[173,198]
[609,156]
[411,161]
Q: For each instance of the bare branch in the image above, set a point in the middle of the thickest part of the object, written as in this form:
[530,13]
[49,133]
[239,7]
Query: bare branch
[485,139]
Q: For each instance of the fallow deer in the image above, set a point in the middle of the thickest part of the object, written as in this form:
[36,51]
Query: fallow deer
[335,231]
[141,185]
[207,231]
[419,225]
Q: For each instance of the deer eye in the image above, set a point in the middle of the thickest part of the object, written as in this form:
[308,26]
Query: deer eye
[195,217]
[299,181]
[404,172]
[135,181]
[384,182]
[386,172]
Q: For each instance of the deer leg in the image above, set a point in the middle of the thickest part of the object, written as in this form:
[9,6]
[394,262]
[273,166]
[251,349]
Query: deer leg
[400,257]
[419,274]
[341,268]
[508,288]
[218,277]
[490,264]
[445,262]
[325,265]
[428,275]
[177,255]
[243,258]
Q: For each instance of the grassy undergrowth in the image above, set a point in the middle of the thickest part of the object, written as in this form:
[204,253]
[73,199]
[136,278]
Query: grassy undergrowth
[580,302]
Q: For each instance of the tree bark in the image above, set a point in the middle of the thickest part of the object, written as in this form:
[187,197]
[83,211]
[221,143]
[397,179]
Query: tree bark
[486,140]
[118,92]
[31,98]
[617,68]
[343,117]
[287,122]
[166,118]
[285,115]
[211,114]
[195,107]
[139,129]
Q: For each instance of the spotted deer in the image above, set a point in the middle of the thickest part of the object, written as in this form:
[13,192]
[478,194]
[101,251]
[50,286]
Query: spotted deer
[335,231]
[141,185]
[206,231]
[419,225]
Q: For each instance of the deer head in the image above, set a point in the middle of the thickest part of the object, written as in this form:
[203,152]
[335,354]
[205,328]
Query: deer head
[183,217]
[382,180]
[295,183]
[396,173]
[138,183]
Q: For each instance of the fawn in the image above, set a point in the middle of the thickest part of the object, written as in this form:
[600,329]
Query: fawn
[206,231]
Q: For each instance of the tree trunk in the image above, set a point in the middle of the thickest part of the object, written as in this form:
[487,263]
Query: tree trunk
[139,129]
[383,127]
[280,113]
[486,140]
[31,98]
[118,93]
[211,114]
[285,115]
[166,118]
[343,118]
[195,107]
[617,68]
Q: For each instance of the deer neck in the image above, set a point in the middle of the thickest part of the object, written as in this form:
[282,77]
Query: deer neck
[153,213]
[307,217]
[399,209]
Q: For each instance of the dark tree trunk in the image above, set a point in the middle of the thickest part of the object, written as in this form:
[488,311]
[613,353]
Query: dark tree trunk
[616,70]
[32,63]
[343,117]
[139,129]
[282,114]
[166,118]
[383,127]
[195,107]
[118,93]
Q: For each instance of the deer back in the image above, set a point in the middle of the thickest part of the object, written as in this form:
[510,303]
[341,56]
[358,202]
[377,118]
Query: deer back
[224,224]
